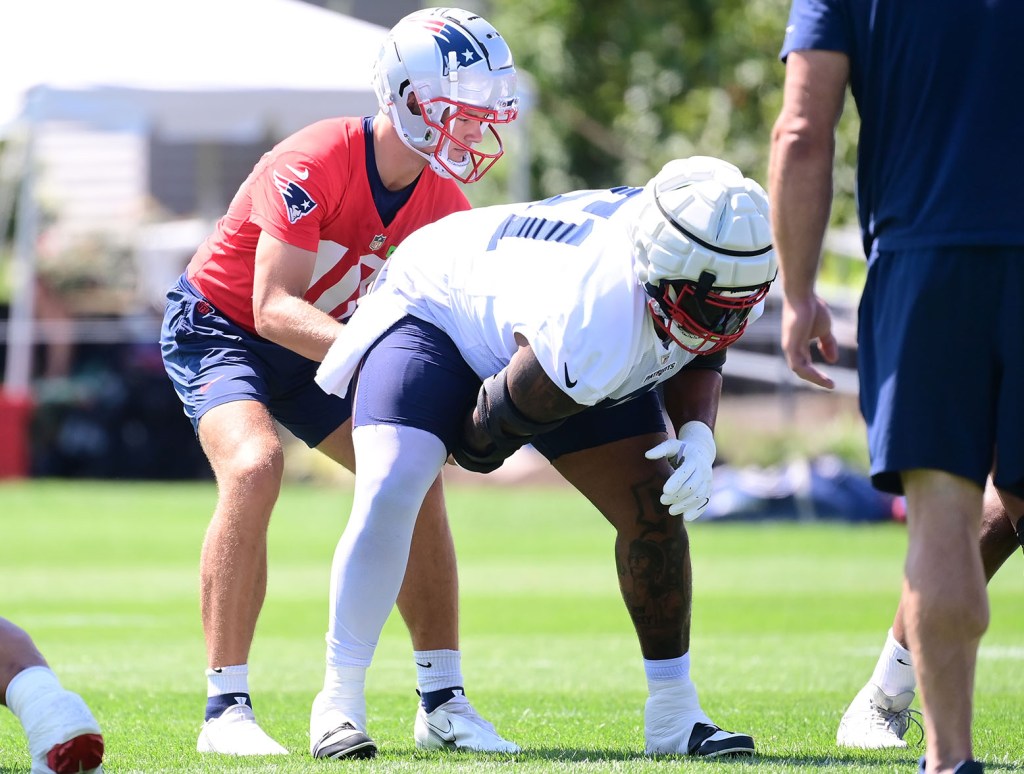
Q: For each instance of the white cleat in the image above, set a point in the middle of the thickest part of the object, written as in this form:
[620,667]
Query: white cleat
[236,732]
[875,721]
[674,724]
[334,734]
[455,725]
[63,735]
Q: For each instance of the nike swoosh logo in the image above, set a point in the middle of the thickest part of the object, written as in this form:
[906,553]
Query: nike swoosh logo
[425,666]
[447,734]
[569,382]
[302,175]
[903,662]
[205,387]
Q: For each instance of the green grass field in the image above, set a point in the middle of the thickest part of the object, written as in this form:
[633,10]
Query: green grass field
[788,621]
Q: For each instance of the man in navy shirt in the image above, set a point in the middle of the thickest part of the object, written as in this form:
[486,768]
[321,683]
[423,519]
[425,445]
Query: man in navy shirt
[941,353]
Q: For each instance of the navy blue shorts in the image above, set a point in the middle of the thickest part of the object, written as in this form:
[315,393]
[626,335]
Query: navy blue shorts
[212,361]
[414,376]
[941,362]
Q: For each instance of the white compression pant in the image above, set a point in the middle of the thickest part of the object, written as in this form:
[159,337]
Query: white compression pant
[395,467]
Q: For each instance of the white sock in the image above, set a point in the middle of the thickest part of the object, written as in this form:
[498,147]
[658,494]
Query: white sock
[669,673]
[229,679]
[396,467]
[26,686]
[345,688]
[437,669]
[894,672]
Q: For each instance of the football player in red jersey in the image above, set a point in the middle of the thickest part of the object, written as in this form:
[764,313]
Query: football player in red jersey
[267,294]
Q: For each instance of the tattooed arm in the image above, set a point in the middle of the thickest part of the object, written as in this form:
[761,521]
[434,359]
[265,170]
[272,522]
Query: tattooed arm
[512,407]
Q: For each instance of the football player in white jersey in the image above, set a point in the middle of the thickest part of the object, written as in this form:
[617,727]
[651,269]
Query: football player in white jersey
[462,351]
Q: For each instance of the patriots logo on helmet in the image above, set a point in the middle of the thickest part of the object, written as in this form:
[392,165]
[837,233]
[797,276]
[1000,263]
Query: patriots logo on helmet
[450,38]
[378,241]
[298,203]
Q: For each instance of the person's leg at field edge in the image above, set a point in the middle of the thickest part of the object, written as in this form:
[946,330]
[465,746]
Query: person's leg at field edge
[945,607]
[879,716]
[63,736]
[652,559]
[429,605]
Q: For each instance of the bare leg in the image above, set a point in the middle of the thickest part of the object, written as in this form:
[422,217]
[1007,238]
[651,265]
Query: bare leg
[879,715]
[945,607]
[652,552]
[241,442]
[998,542]
[652,560]
[17,653]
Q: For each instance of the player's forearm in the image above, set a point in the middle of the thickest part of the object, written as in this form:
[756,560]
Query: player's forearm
[693,395]
[301,327]
[800,191]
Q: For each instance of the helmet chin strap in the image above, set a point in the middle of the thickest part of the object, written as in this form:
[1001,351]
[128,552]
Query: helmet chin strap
[697,344]
[448,168]
[435,161]
[444,151]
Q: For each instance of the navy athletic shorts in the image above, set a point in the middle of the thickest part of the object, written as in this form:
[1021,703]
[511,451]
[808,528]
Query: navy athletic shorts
[211,361]
[941,362]
[414,376]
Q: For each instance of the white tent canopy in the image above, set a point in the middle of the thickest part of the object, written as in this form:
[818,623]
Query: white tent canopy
[194,69]
[191,70]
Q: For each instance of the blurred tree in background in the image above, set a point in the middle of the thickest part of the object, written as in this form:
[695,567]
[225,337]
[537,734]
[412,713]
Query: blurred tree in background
[620,88]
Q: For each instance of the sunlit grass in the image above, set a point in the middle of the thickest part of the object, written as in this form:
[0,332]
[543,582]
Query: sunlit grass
[788,620]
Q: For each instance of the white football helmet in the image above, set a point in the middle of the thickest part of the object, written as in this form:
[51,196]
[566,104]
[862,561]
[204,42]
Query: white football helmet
[459,67]
[702,250]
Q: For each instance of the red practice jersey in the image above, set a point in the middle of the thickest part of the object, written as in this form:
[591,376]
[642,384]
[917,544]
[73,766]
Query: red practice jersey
[312,191]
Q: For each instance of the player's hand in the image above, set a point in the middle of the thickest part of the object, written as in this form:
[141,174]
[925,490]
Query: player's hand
[692,454]
[805,321]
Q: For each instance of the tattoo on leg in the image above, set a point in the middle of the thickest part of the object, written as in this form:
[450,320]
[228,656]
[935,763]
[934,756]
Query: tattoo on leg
[653,561]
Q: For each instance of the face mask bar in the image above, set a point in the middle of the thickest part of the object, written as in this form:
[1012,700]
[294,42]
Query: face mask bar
[477,161]
[709,320]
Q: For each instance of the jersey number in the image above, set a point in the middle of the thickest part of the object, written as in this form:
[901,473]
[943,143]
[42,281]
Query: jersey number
[549,230]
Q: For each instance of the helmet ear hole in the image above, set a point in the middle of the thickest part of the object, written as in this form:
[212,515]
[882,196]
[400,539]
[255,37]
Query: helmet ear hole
[413,104]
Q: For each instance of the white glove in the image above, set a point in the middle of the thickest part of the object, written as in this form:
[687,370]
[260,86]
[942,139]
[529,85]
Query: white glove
[692,454]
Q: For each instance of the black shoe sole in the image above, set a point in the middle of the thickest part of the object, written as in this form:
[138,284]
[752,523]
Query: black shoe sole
[357,745]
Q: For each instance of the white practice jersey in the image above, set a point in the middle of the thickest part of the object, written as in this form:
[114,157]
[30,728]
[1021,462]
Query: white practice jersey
[559,272]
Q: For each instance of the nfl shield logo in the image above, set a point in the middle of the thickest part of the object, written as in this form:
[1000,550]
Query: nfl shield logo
[378,241]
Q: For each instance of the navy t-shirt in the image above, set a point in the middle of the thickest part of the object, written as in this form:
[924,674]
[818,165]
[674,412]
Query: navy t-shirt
[939,85]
